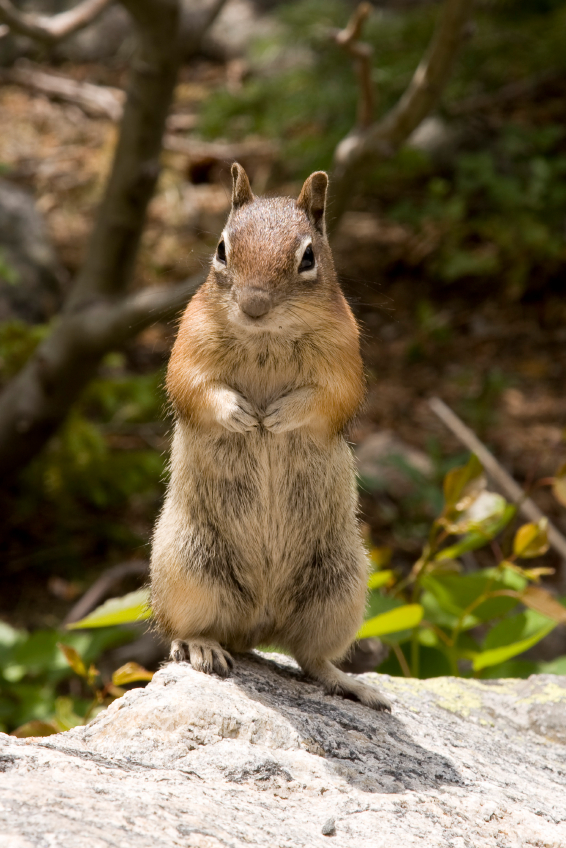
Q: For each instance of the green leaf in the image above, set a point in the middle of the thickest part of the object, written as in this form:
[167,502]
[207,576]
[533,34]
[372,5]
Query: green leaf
[457,592]
[511,637]
[35,728]
[65,716]
[131,607]
[486,511]
[462,485]
[403,618]
[379,578]
[130,673]
[74,659]
[531,540]
[479,536]
[442,613]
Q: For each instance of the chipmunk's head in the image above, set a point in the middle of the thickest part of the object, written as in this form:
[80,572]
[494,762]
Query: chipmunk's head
[273,260]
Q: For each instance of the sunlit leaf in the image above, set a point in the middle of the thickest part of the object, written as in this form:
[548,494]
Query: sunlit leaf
[531,540]
[559,485]
[131,607]
[35,728]
[74,659]
[539,599]
[462,485]
[379,579]
[65,716]
[511,637]
[485,512]
[479,536]
[403,618]
[457,593]
[130,673]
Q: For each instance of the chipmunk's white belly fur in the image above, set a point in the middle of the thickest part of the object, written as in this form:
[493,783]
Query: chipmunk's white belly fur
[261,521]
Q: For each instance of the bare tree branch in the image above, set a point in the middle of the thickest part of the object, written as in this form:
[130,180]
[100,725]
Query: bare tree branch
[36,401]
[500,477]
[384,137]
[99,315]
[348,38]
[51,29]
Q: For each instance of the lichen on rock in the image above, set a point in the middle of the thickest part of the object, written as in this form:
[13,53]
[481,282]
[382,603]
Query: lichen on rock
[265,758]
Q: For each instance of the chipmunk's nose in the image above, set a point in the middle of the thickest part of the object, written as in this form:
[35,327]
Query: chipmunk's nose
[254,302]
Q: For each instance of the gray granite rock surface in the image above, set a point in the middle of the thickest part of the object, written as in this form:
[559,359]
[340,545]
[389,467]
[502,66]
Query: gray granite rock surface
[265,758]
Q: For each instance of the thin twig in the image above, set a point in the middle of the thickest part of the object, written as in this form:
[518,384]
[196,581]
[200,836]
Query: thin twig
[401,659]
[499,476]
[348,38]
[381,139]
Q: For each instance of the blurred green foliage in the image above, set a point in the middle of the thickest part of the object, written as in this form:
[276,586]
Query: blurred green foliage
[36,680]
[440,620]
[83,478]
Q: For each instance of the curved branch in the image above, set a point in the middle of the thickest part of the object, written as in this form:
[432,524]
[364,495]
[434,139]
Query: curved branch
[349,39]
[384,137]
[55,28]
[37,400]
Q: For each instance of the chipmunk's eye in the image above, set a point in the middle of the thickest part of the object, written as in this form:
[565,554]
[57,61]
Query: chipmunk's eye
[221,252]
[307,262]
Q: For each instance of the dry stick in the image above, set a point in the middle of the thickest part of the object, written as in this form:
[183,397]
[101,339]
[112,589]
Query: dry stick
[54,28]
[500,477]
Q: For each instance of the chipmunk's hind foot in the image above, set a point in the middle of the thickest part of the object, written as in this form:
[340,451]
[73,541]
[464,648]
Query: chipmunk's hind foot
[203,654]
[336,682]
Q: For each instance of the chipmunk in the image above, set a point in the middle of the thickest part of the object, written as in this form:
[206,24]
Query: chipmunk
[258,540]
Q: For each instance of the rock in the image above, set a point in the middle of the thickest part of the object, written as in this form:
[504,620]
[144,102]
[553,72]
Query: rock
[30,277]
[264,758]
[387,463]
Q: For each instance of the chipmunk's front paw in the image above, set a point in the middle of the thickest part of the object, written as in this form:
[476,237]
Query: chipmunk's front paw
[275,420]
[289,411]
[235,413]
[204,655]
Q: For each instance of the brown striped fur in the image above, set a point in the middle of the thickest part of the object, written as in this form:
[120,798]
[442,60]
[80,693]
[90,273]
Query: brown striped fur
[258,541]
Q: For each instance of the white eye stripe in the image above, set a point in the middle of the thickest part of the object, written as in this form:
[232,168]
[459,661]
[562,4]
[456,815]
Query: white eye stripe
[217,264]
[311,274]
[307,273]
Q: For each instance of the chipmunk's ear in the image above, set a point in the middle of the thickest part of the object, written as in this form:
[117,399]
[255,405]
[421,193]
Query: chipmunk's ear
[241,189]
[313,199]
